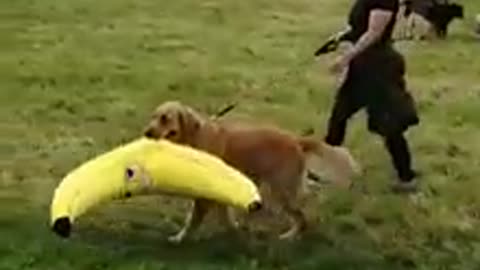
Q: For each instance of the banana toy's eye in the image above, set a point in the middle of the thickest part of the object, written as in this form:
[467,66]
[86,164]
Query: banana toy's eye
[136,174]
[129,173]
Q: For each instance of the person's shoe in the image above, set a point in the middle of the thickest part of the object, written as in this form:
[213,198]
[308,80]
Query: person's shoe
[405,186]
[409,185]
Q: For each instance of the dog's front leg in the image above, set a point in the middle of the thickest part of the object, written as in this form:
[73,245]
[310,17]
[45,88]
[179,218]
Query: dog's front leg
[410,28]
[192,221]
[228,218]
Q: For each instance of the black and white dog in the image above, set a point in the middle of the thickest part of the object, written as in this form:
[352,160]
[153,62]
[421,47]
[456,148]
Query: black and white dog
[430,17]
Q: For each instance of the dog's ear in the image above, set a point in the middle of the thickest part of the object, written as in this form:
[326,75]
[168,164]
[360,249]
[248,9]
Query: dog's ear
[190,123]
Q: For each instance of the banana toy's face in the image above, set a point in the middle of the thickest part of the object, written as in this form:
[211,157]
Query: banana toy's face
[137,180]
[118,183]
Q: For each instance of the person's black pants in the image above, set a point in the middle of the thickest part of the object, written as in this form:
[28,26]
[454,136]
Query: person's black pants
[390,109]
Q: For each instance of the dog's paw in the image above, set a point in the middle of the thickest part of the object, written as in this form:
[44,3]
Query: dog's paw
[176,239]
[289,235]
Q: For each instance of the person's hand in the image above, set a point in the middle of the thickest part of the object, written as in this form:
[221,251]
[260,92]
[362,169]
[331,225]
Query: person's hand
[340,69]
[340,64]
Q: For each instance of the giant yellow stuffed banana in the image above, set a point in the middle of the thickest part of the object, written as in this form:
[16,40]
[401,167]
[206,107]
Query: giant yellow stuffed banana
[146,166]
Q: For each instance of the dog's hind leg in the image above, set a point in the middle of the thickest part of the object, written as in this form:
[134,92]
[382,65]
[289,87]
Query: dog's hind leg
[290,205]
[285,190]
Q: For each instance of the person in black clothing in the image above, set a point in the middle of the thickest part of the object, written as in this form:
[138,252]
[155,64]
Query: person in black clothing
[375,80]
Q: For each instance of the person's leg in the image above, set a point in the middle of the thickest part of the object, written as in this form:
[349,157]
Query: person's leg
[391,120]
[390,128]
[343,108]
[399,151]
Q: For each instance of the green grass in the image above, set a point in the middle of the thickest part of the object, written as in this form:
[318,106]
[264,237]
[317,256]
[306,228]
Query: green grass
[78,77]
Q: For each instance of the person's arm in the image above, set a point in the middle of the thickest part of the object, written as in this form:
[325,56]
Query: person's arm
[379,19]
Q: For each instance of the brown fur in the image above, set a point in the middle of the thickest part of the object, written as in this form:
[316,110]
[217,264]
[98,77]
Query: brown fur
[267,154]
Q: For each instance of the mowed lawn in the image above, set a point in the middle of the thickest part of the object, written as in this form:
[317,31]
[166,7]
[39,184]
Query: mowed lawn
[79,77]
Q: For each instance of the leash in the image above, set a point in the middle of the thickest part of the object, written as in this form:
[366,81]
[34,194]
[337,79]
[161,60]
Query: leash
[223,111]
[285,76]
[271,83]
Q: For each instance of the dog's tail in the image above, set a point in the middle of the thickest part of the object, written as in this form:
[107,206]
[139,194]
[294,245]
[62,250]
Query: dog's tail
[337,161]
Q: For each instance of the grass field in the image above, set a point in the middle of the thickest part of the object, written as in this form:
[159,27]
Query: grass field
[78,77]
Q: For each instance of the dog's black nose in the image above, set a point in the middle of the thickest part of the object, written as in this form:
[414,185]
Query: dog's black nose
[255,206]
[148,133]
[62,227]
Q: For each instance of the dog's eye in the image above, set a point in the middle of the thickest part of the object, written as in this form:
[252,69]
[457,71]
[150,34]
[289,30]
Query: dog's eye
[171,133]
[163,119]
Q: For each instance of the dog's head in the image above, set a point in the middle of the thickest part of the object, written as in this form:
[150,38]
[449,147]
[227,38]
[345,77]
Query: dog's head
[174,121]
[455,11]
[446,12]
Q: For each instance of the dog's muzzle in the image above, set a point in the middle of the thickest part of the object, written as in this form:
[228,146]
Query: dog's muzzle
[149,133]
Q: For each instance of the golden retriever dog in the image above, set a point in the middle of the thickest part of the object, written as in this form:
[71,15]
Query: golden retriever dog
[268,155]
